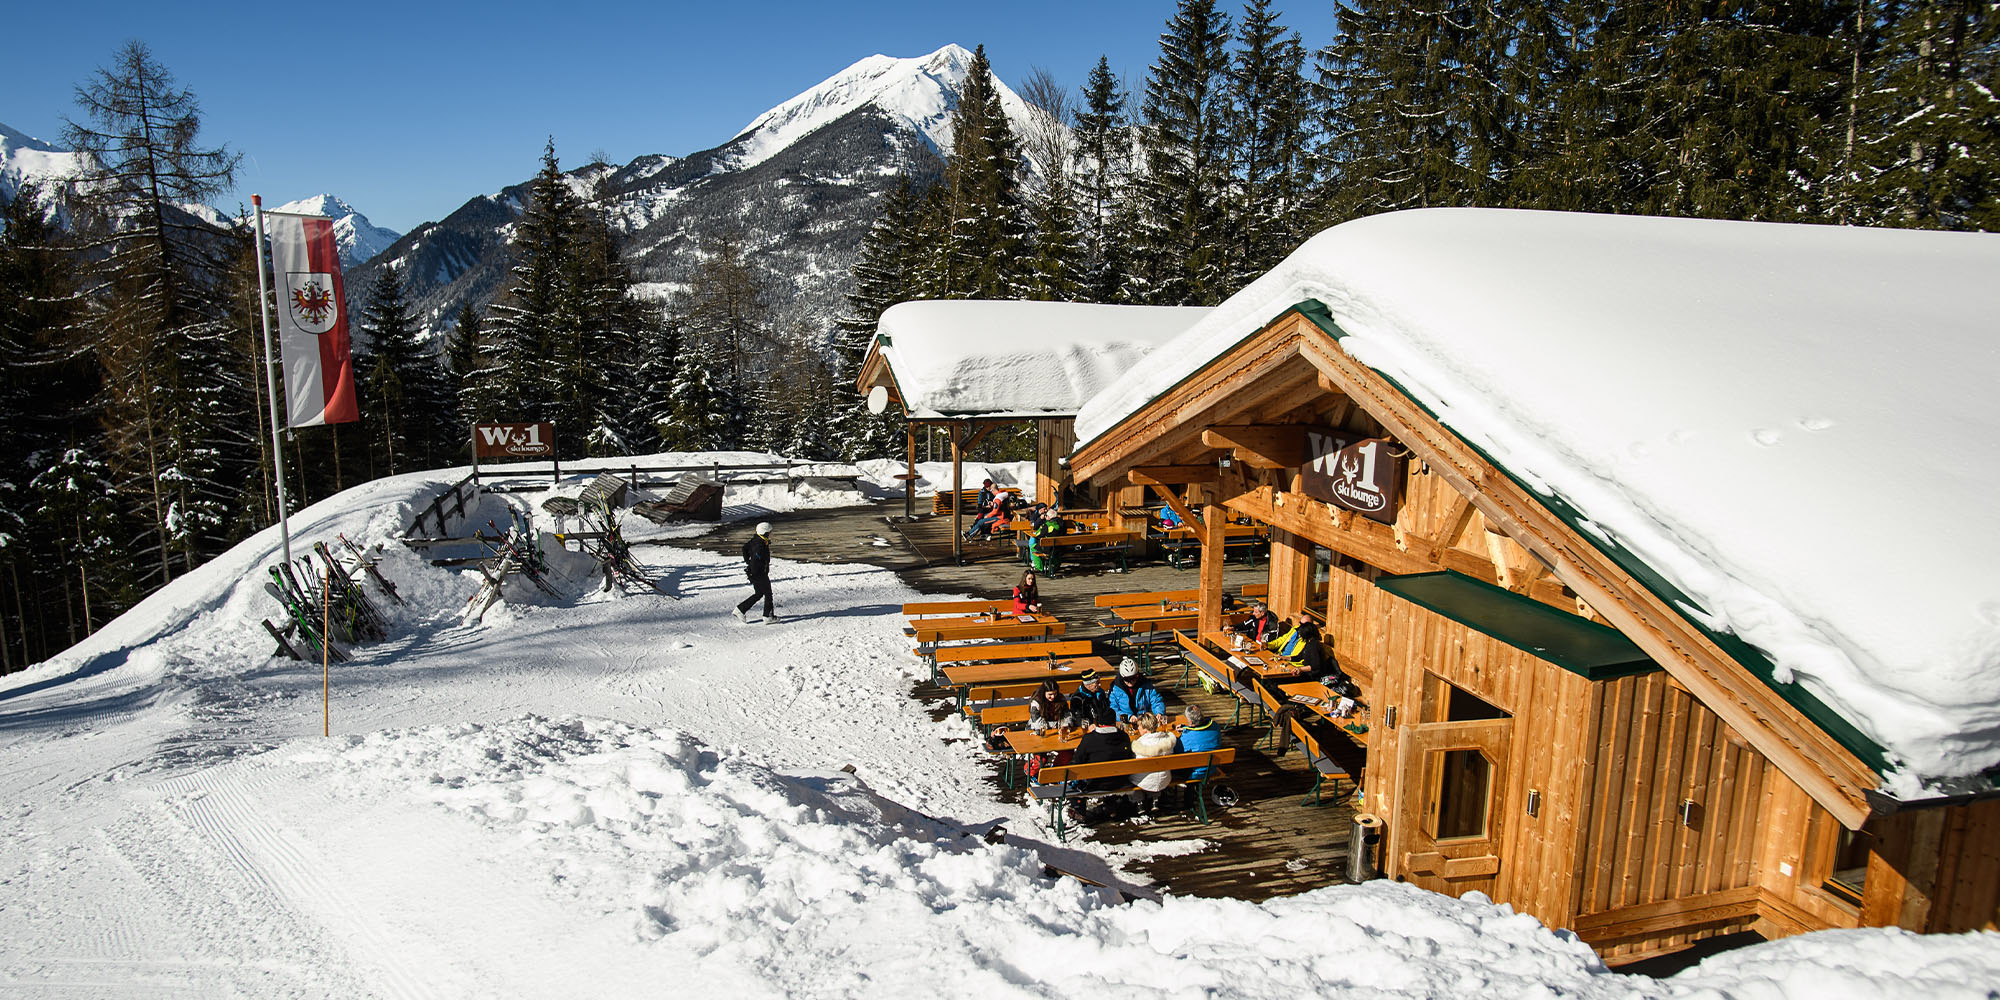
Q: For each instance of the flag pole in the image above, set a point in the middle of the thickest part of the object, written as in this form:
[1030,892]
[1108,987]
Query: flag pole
[271,378]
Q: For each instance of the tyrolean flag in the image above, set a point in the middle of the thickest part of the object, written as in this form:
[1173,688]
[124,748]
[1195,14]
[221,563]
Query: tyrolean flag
[312,321]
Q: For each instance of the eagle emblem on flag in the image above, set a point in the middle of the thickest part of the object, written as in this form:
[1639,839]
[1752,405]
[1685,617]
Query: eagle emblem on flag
[310,300]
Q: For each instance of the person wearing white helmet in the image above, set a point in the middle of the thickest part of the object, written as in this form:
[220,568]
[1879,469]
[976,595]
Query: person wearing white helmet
[757,565]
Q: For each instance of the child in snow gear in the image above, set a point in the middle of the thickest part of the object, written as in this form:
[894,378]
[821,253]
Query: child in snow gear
[757,565]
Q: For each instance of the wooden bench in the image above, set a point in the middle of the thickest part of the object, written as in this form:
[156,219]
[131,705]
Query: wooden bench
[1035,647]
[1343,765]
[920,609]
[968,500]
[1105,542]
[964,677]
[1197,656]
[1134,600]
[689,500]
[1052,784]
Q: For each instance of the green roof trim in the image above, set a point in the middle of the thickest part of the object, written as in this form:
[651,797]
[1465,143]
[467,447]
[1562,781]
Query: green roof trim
[1746,655]
[1583,647]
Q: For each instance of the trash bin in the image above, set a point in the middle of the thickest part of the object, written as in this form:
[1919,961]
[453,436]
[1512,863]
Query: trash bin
[1364,844]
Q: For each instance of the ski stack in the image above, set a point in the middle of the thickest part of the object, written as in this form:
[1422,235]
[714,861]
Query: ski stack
[514,551]
[326,606]
[612,550]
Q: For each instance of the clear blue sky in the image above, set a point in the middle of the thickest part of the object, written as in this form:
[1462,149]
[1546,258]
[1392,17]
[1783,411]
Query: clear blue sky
[408,109]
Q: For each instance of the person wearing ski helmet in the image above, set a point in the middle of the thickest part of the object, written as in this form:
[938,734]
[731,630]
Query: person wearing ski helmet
[757,565]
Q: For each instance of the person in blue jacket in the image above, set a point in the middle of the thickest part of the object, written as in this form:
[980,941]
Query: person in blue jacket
[1133,694]
[1201,733]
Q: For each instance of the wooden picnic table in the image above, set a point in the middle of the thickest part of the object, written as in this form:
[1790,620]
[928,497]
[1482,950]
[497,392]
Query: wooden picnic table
[1022,671]
[1011,627]
[1026,742]
[911,626]
[1155,612]
[1321,704]
[1265,663]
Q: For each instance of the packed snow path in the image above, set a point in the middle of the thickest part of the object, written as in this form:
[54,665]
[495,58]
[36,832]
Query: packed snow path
[625,796]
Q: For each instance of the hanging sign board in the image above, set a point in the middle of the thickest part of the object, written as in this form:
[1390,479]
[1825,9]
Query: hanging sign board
[1364,475]
[513,440]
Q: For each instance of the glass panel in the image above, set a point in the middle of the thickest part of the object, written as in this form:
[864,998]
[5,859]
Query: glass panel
[1850,864]
[1465,781]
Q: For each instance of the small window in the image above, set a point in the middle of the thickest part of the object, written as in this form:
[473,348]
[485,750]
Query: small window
[1464,791]
[1850,865]
[1464,706]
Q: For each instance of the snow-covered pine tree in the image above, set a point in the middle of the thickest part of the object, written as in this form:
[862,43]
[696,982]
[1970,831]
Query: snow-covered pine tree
[175,407]
[1103,171]
[653,382]
[1181,238]
[412,422]
[882,277]
[1926,153]
[984,229]
[520,365]
[461,357]
[1269,136]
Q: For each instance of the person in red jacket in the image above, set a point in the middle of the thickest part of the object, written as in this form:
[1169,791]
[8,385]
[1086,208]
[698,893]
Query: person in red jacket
[1027,599]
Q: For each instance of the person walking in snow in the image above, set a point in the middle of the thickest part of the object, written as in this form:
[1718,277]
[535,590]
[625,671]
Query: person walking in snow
[757,564]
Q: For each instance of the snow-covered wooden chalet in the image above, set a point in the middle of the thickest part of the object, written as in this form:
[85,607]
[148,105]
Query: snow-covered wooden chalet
[1661,550]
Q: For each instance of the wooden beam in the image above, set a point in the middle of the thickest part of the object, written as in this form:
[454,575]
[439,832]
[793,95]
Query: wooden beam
[1180,509]
[1261,446]
[1672,914]
[1171,475]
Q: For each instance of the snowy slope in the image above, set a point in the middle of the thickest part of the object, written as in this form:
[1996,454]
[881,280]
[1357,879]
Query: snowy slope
[24,158]
[629,792]
[918,92]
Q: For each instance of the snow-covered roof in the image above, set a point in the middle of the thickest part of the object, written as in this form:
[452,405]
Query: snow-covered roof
[1792,425]
[965,358]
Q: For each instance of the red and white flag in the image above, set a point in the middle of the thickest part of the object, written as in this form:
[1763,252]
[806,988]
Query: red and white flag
[312,321]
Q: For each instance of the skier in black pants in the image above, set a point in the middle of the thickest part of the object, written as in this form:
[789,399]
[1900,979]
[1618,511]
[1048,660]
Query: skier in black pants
[757,563]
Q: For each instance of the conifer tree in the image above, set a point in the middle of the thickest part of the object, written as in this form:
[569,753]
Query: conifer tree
[883,276]
[1183,187]
[1103,171]
[1269,139]
[462,358]
[406,387]
[984,230]
[1928,152]
[175,407]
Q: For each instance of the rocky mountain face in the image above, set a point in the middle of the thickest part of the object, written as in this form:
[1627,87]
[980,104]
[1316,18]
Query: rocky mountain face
[800,186]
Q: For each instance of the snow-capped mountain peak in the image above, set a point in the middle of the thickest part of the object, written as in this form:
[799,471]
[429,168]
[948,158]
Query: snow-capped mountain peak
[24,158]
[357,238]
[920,91]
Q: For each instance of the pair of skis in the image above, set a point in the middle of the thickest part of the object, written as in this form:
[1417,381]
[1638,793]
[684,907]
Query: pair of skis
[616,554]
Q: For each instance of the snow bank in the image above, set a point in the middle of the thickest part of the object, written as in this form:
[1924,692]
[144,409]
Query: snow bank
[813,884]
[1741,405]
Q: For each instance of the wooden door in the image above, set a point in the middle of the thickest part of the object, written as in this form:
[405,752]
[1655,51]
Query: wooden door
[1451,778]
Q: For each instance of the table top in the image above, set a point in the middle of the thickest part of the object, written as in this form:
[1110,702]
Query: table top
[1025,741]
[973,621]
[1262,662]
[1323,706]
[1024,670]
[1153,612]
[1108,536]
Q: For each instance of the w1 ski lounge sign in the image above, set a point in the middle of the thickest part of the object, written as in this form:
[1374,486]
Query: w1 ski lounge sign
[1364,475]
[513,440]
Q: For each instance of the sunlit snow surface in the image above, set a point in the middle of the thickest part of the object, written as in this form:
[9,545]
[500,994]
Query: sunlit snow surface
[626,795]
[1792,424]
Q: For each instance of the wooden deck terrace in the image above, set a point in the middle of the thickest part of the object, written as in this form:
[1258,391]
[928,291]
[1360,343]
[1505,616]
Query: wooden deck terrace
[1270,844]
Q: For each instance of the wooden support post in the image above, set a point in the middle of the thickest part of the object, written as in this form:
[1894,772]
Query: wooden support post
[910,459]
[1213,555]
[957,489]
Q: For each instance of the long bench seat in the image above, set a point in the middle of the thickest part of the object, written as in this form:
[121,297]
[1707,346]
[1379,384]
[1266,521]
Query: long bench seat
[1052,784]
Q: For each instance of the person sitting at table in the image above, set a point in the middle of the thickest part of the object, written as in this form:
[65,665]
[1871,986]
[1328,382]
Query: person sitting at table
[1133,693]
[1093,692]
[1049,706]
[1027,597]
[993,508]
[1155,739]
[1260,628]
[1102,743]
